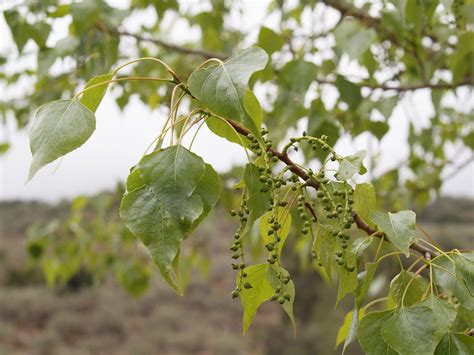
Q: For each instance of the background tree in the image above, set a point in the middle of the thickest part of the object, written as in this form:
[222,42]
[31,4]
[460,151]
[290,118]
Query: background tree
[371,57]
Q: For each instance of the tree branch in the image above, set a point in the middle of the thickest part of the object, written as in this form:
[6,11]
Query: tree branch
[173,47]
[404,88]
[359,222]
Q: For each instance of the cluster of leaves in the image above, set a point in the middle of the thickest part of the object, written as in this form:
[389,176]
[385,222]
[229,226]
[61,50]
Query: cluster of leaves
[171,190]
[394,47]
[89,241]
[92,243]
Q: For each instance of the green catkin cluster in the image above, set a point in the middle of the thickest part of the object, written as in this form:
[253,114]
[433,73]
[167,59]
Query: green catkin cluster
[336,202]
[280,293]
[238,248]
[262,148]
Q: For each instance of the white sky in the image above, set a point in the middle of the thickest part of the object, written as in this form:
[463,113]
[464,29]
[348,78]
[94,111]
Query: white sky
[121,138]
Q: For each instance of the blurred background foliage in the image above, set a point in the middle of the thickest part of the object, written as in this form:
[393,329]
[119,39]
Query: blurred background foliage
[337,67]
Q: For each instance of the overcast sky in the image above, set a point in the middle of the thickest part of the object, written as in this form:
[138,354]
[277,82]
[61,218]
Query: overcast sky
[121,138]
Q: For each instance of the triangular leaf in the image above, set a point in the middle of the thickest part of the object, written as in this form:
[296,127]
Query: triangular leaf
[446,276]
[445,313]
[168,193]
[465,270]
[59,128]
[351,165]
[222,86]
[399,227]
[264,281]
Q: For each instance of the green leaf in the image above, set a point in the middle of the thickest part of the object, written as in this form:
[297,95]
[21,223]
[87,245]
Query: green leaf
[92,97]
[288,288]
[84,15]
[19,28]
[369,335]
[349,92]
[284,218]
[365,278]
[469,140]
[360,245]
[351,164]
[174,191]
[446,276]
[465,270]
[269,40]
[348,331]
[134,277]
[225,130]
[387,105]
[40,33]
[252,107]
[455,344]
[208,188]
[347,280]
[321,122]
[399,227]
[59,128]
[365,201]
[444,312]
[414,286]
[258,201]
[4,147]
[222,86]
[459,62]
[353,38]
[413,330]
[324,246]
[262,279]
[377,128]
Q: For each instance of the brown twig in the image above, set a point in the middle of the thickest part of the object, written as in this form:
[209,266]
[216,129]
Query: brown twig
[173,47]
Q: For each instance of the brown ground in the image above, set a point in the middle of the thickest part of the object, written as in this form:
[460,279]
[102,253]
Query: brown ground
[106,320]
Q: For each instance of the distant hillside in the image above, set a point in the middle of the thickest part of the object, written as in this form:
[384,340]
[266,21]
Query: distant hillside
[449,209]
